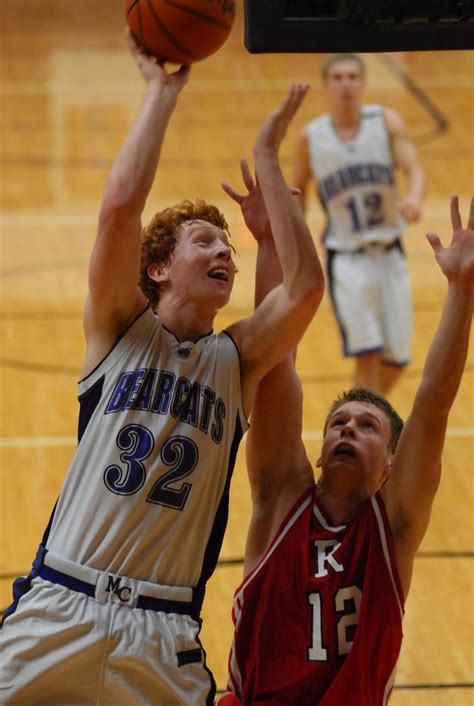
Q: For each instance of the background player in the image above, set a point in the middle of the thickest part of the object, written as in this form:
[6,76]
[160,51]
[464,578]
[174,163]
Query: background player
[328,565]
[351,152]
[110,611]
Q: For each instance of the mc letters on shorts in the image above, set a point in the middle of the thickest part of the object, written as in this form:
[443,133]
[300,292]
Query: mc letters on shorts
[111,588]
[123,592]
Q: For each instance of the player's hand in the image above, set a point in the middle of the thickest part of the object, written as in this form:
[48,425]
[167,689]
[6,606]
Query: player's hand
[252,203]
[410,209]
[457,260]
[274,127]
[153,71]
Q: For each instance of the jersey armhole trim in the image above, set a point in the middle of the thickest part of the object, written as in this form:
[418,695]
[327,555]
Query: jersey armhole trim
[379,512]
[84,379]
[243,416]
[293,515]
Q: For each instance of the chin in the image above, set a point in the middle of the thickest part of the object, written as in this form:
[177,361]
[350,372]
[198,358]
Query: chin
[217,302]
[223,299]
[223,303]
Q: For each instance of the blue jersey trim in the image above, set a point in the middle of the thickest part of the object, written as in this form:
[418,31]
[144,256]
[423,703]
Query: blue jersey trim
[88,402]
[22,585]
[216,535]
[115,344]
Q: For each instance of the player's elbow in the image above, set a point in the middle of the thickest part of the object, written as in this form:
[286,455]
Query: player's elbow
[308,287]
[305,305]
[316,292]
[120,201]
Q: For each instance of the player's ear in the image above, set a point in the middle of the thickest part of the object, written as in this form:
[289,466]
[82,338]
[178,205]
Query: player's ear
[387,470]
[157,272]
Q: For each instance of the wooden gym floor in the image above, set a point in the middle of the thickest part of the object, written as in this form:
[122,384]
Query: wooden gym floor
[68,93]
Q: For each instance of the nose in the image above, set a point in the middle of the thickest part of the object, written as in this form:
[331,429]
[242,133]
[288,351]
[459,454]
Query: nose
[347,430]
[224,251]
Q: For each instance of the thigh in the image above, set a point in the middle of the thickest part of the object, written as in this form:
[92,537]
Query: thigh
[397,308]
[157,659]
[354,293]
[62,647]
[48,644]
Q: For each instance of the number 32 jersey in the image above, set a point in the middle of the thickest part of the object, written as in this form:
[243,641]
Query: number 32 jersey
[318,622]
[146,495]
[356,181]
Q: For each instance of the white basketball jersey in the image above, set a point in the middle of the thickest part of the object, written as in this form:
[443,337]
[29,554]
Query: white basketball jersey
[356,181]
[146,495]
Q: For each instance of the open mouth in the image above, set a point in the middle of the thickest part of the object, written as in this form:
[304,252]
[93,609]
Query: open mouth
[219,273]
[344,450]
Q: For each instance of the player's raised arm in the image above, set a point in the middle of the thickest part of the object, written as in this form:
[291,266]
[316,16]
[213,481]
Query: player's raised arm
[410,491]
[406,157]
[277,465]
[280,320]
[301,169]
[114,297]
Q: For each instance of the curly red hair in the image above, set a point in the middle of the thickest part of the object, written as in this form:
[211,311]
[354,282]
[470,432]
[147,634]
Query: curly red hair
[160,236]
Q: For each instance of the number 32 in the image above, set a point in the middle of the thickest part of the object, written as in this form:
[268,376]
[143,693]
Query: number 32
[136,443]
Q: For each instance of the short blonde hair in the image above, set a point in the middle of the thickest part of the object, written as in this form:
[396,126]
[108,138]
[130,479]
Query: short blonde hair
[332,59]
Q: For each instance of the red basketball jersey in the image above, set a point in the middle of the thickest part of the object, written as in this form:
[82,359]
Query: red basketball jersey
[319,619]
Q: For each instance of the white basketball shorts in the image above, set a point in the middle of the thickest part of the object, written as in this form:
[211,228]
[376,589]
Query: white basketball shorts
[371,296]
[61,647]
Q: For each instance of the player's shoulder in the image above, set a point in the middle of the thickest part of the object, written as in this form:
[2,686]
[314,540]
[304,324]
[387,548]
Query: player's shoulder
[386,118]
[372,111]
[394,122]
[321,122]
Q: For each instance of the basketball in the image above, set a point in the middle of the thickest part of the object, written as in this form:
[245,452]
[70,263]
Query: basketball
[180,31]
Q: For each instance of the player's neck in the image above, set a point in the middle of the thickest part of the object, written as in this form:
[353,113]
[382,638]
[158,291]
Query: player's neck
[346,118]
[339,504]
[186,322]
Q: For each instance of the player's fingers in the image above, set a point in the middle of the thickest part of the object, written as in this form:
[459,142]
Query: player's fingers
[132,43]
[470,224]
[455,215]
[230,191]
[246,174]
[434,241]
[295,191]
[184,71]
[292,101]
[297,94]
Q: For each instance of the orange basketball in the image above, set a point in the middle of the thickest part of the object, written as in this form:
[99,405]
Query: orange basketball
[180,31]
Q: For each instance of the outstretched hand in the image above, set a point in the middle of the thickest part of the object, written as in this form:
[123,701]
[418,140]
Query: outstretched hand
[252,204]
[153,70]
[457,260]
[274,127]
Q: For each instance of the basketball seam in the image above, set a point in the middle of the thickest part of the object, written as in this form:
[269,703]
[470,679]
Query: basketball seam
[196,13]
[168,34]
[133,6]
